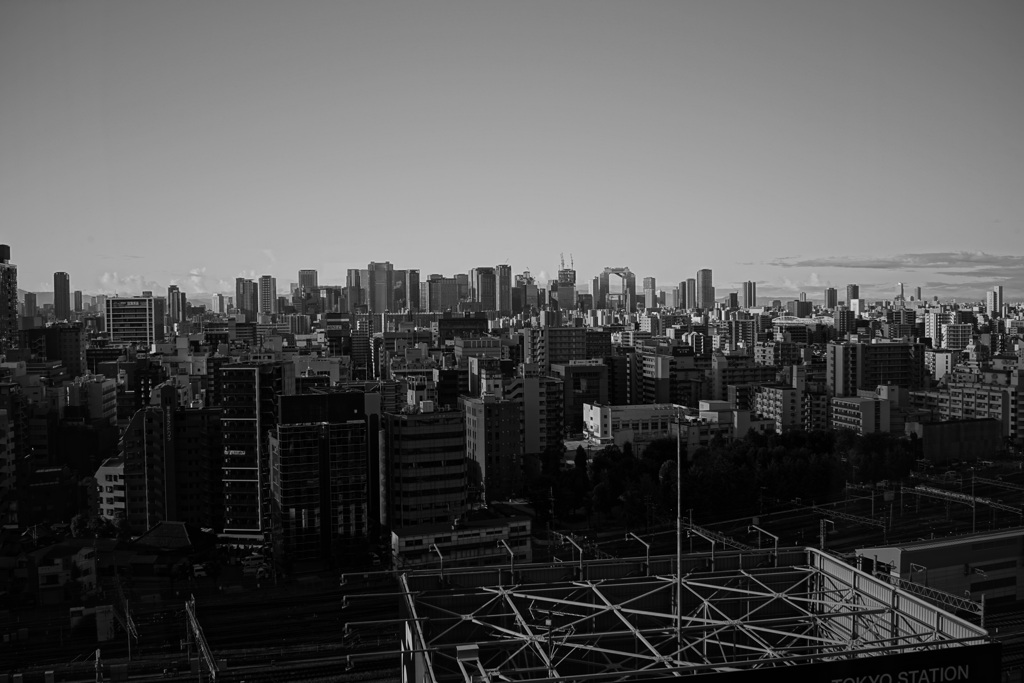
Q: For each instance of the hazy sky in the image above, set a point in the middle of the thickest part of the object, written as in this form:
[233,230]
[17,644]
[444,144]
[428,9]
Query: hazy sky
[796,143]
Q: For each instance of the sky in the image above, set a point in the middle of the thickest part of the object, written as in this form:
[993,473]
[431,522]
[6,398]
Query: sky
[797,143]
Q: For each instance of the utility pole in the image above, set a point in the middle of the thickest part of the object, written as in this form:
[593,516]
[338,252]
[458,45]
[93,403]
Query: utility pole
[679,534]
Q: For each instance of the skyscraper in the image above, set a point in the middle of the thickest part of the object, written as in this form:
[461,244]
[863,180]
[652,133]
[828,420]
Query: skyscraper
[267,295]
[831,297]
[62,296]
[379,286]
[691,293]
[135,320]
[650,292]
[503,289]
[995,300]
[852,292]
[705,290]
[307,281]
[9,300]
[246,298]
[749,294]
[483,287]
[78,301]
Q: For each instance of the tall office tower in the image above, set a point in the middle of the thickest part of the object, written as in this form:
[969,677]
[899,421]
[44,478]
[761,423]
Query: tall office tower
[424,446]
[803,296]
[31,305]
[308,281]
[900,297]
[324,464]
[691,293]
[493,443]
[62,296]
[852,292]
[617,294]
[354,290]
[246,298]
[9,300]
[650,292]
[135,320]
[732,300]
[439,294]
[249,396]
[681,301]
[219,303]
[78,301]
[749,294]
[411,285]
[831,297]
[380,286]
[503,289]
[268,295]
[525,293]
[917,293]
[483,287]
[705,290]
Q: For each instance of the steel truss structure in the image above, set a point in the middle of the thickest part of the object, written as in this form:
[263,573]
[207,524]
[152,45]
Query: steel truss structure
[745,616]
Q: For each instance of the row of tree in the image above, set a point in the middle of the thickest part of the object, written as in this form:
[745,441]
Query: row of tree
[721,480]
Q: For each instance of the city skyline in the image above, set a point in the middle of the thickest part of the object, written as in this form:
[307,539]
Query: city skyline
[795,144]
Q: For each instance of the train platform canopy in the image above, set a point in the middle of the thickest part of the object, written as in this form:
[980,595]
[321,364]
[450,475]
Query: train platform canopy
[803,614]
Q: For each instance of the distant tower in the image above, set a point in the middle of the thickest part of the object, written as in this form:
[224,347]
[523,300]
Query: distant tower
[307,281]
[503,289]
[650,293]
[900,296]
[705,290]
[852,292]
[267,295]
[691,293]
[62,296]
[8,300]
[749,294]
[831,297]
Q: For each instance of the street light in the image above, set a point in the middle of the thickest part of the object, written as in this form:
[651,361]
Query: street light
[759,530]
[434,547]
[647,546]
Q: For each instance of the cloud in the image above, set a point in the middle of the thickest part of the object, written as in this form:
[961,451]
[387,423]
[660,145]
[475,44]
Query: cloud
[966,262]
[112,282]
[269,253]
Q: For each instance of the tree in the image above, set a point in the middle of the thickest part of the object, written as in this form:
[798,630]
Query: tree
[80,526]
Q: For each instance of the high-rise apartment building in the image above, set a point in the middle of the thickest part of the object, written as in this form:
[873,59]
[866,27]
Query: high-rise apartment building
[31,305]
[852,366]
[831,298]
[135,320]
[62,296]
[249,399]
[705,290]
[267,304]
[749,294]
[994,301]
[9,300]
[852,292]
